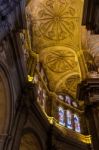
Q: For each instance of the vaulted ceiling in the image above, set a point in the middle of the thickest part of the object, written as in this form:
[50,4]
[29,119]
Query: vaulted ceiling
[56,38]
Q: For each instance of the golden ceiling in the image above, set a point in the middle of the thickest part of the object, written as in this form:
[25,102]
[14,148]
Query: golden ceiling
[56,38]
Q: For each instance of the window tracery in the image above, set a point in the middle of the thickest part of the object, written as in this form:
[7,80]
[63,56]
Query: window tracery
[67,117]
[76,123]
[61,116]
[41,92]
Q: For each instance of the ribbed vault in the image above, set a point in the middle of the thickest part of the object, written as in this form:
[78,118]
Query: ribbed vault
[56,38]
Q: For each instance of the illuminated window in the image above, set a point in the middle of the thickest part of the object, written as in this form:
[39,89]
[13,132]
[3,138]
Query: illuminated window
[44,99]
[61,97]
[41,98]
[76,123]
[74,104]
[40,95]
[61,116]
[68,100]
[68,119]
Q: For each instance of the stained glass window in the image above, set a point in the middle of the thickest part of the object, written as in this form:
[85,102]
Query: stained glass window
[61,97]
[74,104]
[41,96]
[44,99]
[68,100]
[69,119]
[61,116]
[76,123]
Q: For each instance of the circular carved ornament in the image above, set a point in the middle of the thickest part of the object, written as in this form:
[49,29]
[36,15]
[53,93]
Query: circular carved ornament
[61,61]
[52,19]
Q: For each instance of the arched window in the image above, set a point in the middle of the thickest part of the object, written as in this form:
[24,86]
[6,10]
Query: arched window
[61,116]
[74,104]
[76,123]
[68,100]
[69,119]
[61,97]
[41,96]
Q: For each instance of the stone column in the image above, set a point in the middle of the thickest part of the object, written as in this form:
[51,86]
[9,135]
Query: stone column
[88,91]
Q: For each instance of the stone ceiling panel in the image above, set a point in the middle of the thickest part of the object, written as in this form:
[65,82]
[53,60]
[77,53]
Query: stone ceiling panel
[56,38]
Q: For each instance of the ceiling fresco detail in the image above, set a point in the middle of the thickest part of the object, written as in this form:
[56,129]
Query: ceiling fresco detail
[56,39]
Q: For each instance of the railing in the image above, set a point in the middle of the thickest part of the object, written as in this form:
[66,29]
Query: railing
[84,138]
[67,115]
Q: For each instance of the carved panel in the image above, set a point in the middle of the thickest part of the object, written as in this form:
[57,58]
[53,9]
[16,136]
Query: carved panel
[56,38]
[55,23]
[62,68]
[60,61]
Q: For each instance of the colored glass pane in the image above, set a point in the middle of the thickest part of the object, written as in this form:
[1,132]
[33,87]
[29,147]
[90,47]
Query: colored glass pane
[69,119]
[61,116]
[76,123]
[61,97]
[68,100]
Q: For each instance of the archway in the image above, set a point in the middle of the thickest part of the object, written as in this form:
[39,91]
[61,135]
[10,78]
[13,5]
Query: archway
[29,142]
[5,102]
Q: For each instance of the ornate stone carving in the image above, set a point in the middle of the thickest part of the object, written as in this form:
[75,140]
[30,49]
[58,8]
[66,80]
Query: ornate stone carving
[55,22]
[68,84]
[56,38]
[60,61]
[71,83]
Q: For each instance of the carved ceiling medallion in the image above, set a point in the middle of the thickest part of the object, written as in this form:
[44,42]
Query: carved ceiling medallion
[56,39]
[59,59]
[56,19]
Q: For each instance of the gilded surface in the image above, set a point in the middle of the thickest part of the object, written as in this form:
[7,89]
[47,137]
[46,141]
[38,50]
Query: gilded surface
[56,38]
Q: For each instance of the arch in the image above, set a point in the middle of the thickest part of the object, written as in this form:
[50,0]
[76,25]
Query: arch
[30,140]
[5,100]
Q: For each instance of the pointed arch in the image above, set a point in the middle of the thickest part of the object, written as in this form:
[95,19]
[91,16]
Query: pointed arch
[6,99]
